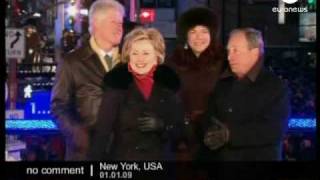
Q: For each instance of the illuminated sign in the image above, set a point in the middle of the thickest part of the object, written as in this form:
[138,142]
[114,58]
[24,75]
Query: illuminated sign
[38,106]
[147,15]
[15,43]
[27,91]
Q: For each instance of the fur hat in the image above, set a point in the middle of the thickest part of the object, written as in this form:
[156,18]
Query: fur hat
[196,16]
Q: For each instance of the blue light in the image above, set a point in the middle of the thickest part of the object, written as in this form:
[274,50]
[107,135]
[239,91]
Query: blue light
[37,106]
[302,123]
[16,124]
[30,125]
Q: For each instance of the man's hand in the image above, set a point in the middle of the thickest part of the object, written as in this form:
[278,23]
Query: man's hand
[149,122]
[217,135]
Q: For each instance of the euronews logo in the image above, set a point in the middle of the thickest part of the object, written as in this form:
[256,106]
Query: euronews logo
[282,7]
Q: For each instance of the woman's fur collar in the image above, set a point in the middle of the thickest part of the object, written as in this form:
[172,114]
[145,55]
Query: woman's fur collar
[120,78]
[209,59]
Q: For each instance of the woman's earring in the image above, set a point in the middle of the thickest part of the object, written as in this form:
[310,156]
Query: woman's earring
[186,46]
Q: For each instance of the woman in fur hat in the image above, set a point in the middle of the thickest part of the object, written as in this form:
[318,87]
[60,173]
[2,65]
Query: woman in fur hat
[140,111]
[198,60]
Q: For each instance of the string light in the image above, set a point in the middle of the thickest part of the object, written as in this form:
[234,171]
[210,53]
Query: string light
[302,123]
[15,124]
[30,125]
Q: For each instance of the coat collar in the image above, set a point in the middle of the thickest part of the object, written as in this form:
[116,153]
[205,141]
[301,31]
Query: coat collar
[85,52]
[120,78]
[252,74]
[185,58]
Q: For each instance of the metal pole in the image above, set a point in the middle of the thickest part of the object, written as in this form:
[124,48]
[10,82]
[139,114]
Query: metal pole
[13,83]
[239,13]
[59,26]
[223,33]
[133,15]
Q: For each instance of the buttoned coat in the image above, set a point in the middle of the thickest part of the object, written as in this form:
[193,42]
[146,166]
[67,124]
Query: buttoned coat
[76,97]
[117,136]
[256,114]
[198,77]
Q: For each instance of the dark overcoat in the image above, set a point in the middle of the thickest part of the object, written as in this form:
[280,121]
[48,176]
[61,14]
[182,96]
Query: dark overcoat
[76,97]
[117,136]
[198,77]
[256,114]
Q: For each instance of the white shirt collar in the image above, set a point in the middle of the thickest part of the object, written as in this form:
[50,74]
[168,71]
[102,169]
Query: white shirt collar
[101,53]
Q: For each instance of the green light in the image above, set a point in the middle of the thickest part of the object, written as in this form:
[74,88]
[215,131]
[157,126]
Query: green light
[312,2]
[312,5]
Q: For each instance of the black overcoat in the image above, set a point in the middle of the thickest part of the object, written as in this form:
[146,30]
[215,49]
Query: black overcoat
[117,136]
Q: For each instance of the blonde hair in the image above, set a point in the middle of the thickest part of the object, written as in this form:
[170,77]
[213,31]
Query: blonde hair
[99,8]
[138,34]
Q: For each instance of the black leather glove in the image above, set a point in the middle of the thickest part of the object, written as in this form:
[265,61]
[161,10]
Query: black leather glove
[217,135]
[149,122]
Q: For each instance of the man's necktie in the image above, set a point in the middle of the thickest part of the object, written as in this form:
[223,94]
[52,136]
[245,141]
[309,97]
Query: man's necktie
[108,61]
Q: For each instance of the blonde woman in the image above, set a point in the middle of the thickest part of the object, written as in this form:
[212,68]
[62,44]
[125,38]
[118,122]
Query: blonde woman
[140,112]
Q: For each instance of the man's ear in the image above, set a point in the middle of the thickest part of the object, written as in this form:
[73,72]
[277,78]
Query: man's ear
[255,53]
[94,24]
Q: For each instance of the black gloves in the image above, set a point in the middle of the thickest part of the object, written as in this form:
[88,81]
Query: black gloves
[217,135]
[149,122]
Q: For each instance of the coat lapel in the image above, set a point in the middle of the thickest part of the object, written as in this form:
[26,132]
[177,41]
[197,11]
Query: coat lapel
[94,65]
[91,60]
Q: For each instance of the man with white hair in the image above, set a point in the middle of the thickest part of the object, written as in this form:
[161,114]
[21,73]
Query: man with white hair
[248,111]
[77,91]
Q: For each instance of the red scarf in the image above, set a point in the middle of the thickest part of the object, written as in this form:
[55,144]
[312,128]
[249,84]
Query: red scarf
[144,82]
